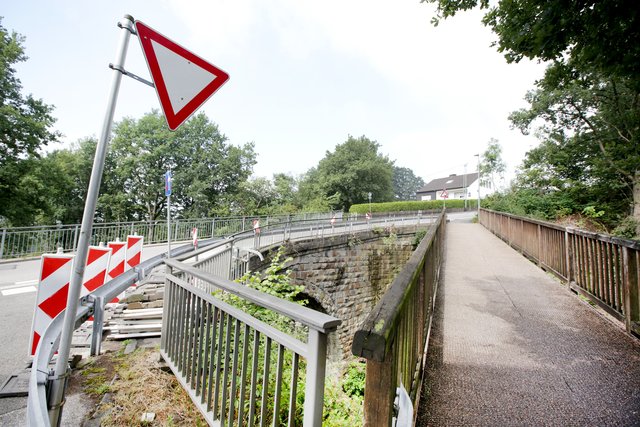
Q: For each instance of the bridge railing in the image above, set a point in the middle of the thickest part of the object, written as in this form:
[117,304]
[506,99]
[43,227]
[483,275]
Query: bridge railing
[236,368]
[21,242]
[395,335]
[602,268]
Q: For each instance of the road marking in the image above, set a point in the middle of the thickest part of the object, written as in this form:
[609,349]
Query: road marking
[27,282]
[16,291]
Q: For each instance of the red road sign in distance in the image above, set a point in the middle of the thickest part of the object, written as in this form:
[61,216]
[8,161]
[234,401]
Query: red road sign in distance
[183,80]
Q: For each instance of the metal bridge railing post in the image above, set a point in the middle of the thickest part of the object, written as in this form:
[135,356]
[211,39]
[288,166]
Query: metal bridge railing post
[314,388]
[98,323]
[4,236]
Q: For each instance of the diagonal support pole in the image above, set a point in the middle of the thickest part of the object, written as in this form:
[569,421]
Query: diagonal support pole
[56,394]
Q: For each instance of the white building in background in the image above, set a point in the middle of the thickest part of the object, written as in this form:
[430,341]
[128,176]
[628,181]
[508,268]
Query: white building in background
[452,187]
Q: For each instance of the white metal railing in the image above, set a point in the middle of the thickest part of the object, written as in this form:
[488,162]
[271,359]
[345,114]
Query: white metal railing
[214,269]
[224,357]
[20,242]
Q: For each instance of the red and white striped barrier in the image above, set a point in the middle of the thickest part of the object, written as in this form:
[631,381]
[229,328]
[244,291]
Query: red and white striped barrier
[95,272]
[51,298]
[194,237]
[116,263]
[134,251]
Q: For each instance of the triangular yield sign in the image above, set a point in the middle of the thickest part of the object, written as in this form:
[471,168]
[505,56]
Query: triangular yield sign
[183,80]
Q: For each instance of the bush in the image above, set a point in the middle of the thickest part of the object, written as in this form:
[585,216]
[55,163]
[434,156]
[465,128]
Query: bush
[410,206]
[628,228]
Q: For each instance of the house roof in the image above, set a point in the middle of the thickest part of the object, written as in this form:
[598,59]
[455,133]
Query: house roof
[450,182]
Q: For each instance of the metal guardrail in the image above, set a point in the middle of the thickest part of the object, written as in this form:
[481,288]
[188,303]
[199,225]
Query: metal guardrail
[21,242]
[223,356]
[37,406]
[602,268]
[395,335]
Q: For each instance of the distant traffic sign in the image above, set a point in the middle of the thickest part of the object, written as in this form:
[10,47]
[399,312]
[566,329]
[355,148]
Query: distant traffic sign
[444,194]
[183,80]
[168,181]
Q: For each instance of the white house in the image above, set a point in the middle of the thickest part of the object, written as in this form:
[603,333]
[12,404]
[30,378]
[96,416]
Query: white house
[452,187]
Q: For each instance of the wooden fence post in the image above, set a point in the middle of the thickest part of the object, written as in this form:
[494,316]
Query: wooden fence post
[568,255]
[379,392]
[630,290]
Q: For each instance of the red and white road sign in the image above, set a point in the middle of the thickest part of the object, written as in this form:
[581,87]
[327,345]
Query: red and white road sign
[116,263]
[444,194]
[134,251]
[95,272]
[194,236]
[51,298]
[183,80]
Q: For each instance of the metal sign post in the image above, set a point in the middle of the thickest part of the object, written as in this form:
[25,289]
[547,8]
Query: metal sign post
[60,374]
[167,192]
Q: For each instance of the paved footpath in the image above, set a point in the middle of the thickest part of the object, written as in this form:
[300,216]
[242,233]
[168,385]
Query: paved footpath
[511,346]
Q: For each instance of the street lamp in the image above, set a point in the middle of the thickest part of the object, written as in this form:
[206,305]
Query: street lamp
[478,156]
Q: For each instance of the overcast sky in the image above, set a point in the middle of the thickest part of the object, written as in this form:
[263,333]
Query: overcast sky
[303,76]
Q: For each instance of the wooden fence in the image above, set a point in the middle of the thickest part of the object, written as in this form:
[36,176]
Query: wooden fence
[602,268]
[394,336]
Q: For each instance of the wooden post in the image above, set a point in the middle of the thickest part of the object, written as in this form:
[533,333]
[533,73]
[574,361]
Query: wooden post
[568,249]
[379,392]
[539,246]
[630,289]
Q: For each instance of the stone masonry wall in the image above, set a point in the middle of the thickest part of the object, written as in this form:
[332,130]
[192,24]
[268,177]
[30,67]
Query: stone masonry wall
[347,275]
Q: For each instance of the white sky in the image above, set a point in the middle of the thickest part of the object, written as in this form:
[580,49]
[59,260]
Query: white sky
[304,75]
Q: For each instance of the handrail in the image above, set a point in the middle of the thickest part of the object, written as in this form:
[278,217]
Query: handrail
[314,319]
[604,269]
[394,336]
[94,304]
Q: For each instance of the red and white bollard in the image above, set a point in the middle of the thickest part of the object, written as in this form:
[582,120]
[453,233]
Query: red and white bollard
[51,298]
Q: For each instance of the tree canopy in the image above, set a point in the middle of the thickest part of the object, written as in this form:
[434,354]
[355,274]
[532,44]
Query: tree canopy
[25,126]
[586,109]
[602,33]
[354,170]
[207,171]
[492,167]
[405,183]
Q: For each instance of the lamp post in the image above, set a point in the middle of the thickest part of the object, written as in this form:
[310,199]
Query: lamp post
[464,184]
[478,156]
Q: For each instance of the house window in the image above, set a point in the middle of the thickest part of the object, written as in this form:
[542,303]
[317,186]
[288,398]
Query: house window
[427,197]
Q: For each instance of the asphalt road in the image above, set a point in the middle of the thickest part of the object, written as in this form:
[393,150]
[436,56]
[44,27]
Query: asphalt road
[18,281]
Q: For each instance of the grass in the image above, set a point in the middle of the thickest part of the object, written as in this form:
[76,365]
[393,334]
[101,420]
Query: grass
[136,385]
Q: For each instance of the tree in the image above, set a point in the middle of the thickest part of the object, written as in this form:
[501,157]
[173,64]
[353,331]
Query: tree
[602,33]
[25,126]
[207,171]
[588,98]
[355,169]
[492,165]
[405,183]
[590,138]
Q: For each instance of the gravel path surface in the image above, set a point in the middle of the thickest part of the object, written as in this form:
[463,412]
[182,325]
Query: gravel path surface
[511,346]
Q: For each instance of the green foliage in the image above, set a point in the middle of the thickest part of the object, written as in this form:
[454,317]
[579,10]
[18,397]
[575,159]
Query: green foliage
[207,171]
[492,166]
[411,206]
[25,127]
[275,280]
[405,183]
[585,110]
[352,171]
[417,238]
[569,31]
[627,228]
[354,379]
